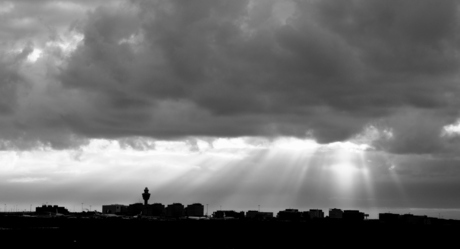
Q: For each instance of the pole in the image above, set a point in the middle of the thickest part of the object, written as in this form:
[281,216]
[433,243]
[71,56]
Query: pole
[82,207]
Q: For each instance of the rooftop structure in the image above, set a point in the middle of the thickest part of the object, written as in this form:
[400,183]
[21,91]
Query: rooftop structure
[146,196]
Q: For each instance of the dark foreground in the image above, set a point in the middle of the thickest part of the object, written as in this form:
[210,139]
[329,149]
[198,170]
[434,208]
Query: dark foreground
[204,234]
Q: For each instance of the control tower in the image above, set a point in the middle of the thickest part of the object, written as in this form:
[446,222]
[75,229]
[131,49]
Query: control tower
[146,196]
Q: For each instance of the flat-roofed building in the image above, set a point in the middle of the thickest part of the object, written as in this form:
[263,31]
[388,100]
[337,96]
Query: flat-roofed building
[335,213]
[195,209]
[414,219]
[225,214]
[136,209]
[114,209]
[289,214]
[353,215]
[156,209]
[316,213]
[389,217]
[175,210]
[46,209]
[251,214]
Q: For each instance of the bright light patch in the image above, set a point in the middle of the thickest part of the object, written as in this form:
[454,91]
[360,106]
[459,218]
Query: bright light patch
[345,171]
[8,160]
[172,146]
[295,144]
[67,43]
[101,145]
[451,130]
[231,143]
[346,163]
[348,146]
[33,57]
[202,145]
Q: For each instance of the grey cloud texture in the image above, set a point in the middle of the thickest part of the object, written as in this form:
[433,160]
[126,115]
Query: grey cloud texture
[11,80]
[171,69]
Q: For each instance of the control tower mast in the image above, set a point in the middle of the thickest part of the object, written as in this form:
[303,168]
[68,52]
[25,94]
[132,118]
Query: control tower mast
[146,196]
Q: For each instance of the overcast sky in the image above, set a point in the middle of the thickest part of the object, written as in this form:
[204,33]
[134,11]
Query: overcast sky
[279,103]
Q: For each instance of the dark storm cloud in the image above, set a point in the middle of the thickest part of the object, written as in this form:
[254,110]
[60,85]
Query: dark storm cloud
[214,58]
[11,79]
[398,36]
[169,69]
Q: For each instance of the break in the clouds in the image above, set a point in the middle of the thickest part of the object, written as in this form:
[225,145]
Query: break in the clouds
[329,70]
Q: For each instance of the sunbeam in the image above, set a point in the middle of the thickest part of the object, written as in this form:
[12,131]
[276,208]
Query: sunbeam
[366,174]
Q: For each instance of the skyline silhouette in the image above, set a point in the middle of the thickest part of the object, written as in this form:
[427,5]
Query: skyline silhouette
[178,210]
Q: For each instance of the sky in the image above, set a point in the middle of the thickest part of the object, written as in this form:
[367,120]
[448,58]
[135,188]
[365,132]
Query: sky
[242,104]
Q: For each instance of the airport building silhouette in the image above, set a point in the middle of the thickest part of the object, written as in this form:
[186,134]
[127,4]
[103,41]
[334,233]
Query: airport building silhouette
[174,210]
[178,210]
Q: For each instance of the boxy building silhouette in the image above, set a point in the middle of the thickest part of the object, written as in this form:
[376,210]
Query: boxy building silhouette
[353,215]
[175,210]
[114,209]
[222,214]
[46,209]
[289,214]
[335,213]
[257,215]
[195,210]
[156,209]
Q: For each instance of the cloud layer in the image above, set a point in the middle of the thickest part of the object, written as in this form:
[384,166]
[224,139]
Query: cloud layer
[174,69]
